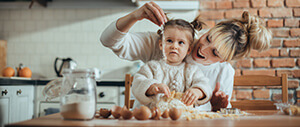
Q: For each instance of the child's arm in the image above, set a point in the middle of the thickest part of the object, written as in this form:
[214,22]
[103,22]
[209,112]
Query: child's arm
[144,85]
[200,91]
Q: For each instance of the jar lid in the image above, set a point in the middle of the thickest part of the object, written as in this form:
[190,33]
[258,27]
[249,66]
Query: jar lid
[95,72]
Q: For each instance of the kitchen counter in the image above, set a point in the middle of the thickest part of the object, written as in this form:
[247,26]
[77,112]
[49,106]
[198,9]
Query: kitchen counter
[259,118]
[14,81]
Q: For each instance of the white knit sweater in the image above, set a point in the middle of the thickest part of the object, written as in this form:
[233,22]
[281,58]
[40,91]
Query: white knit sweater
[178,78]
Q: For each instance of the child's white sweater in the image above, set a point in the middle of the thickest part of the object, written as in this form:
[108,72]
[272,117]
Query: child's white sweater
[178,78]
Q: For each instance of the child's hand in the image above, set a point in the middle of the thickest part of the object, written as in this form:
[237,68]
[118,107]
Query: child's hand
[191,96]
[158,88]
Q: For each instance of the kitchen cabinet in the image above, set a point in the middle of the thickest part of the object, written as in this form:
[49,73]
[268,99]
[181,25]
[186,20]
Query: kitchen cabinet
[16,103]
[107,96]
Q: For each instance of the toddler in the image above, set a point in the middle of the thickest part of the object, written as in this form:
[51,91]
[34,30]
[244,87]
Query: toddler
[172,73]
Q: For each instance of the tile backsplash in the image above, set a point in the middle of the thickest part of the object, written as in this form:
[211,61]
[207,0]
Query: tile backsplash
[35,37]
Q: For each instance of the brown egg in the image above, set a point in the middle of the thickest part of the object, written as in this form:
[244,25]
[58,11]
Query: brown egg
[116,111]
[8,72]
[25,72]
[156,113]
[165,114]
[175,113]
[105,113]
[126,114]
[142,113]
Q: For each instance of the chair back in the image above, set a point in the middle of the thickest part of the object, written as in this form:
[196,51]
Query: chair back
[128,83]
[260,80]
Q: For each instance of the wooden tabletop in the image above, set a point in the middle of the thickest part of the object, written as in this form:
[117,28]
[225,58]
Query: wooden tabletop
[260,118]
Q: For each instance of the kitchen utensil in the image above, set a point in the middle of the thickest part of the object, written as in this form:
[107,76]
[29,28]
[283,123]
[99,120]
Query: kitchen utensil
[67,63]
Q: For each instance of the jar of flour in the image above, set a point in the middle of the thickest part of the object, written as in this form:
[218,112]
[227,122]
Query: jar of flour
[78,94]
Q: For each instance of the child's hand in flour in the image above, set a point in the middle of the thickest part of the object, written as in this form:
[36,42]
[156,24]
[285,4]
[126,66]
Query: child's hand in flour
[192,95]
[158,88]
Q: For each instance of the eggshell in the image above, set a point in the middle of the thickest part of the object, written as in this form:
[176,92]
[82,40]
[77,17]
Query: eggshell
[165,114]
[142,113]
[156,113]
[116,111]
[105,113]
[126,114]
[175,113]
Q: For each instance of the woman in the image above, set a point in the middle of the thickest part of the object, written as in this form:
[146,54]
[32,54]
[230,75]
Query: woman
[228,40]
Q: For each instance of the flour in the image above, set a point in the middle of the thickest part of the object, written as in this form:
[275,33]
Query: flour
[80,110]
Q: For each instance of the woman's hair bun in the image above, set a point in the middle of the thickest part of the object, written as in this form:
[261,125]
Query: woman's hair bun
[259,37]
[198,23]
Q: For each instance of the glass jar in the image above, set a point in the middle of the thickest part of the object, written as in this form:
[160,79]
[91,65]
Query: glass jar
[78,94]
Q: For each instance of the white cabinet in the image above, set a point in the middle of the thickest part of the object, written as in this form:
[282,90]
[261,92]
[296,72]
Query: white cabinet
[107,96]
[16,103]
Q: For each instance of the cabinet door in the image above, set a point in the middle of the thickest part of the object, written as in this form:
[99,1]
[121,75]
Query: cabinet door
[23,103]
[5,105]
[108,94]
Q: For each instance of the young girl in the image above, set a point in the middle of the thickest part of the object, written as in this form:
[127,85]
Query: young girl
[171,72]
[231,39]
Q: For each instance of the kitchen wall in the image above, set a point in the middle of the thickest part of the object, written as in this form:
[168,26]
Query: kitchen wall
[37,36]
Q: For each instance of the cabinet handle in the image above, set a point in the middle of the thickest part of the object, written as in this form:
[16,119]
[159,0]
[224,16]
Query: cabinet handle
[19,92]
[4,92]
[101,94]
[123,93]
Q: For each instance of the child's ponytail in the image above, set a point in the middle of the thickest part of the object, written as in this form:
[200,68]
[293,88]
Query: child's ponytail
[198,23]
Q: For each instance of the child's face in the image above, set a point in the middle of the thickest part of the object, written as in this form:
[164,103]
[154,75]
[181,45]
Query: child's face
[175,44]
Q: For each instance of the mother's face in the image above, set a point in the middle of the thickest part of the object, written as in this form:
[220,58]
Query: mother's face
[204,51]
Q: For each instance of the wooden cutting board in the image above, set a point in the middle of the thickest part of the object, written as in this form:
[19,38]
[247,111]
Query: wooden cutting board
[3,47]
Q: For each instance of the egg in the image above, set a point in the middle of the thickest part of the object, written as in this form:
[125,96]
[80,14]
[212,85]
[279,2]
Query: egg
[175,113]
[105,113]
[126,114]
[165,114]
[25,72]
[156,113]
[142,113]
[8,72]
[116,111]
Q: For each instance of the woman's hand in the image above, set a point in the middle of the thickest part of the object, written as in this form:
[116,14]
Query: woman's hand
[219,99]
[149,11]
[152,12]
[158,88]
[191,96]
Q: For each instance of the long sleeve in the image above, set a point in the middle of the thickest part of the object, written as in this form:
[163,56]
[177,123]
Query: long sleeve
[200,81]
[143,79]
[226,82]
[131,46]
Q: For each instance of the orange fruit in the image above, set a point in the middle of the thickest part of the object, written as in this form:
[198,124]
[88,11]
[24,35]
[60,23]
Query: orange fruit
[25,72]
[8,72]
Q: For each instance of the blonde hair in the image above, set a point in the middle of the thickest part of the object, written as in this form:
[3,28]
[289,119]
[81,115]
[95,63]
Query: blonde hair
[235,38]
[196,24]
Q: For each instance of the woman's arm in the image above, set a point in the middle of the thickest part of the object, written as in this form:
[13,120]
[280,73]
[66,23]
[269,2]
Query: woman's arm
[133,46]
[223,91]
[150,11]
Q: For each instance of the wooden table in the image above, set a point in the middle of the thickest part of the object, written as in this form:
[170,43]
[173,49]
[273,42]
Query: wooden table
[261,118]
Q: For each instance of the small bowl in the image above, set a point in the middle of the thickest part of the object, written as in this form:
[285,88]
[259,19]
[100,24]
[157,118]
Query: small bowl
[288,108]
